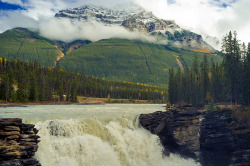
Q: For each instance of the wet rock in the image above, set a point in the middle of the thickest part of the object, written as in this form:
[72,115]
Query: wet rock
[212,138]
[18,143]
[177,129]
[224,141]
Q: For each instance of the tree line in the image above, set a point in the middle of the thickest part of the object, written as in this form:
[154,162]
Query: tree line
[206,81]
[28,81]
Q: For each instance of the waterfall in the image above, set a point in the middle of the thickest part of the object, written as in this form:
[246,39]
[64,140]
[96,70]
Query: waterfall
[101,142]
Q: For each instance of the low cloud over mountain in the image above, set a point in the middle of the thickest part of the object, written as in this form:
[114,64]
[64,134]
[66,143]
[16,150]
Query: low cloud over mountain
[206,17]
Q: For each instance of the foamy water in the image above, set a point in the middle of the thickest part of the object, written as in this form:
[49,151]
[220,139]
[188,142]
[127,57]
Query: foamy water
[95,135]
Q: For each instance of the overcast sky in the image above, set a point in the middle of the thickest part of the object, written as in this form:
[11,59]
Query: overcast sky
[212,17]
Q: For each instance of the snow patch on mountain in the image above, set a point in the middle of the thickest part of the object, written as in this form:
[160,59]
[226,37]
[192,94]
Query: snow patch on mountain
[133,19]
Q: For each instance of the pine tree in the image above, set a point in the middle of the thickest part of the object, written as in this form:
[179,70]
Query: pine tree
[205,82]
[246,80]
[61,92]
[11,84]
[42,93]
[171,90]
[7,85]
[33,88]
[178,85]
[73,92]
[232,65]
[244,51]
[195,85]
[23,89]
[236,78]
[187,85]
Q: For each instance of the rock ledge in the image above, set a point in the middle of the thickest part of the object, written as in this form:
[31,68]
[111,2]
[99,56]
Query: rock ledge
[211,138]
[18,143]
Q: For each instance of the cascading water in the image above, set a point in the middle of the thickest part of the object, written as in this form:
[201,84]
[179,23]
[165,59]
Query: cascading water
[94,143]
[96,136]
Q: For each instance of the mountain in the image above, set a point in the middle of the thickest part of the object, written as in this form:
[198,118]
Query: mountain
[22,44]
[135,18]
[112,59]
[127,60]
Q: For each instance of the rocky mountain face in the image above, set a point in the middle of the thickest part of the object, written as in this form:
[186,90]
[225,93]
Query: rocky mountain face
[18,143]
[138,19]
[212,138]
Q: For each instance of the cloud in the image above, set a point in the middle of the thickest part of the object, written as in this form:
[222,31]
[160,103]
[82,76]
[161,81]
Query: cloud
[37,9]
[66,30]
[15,2]
[12,19]
[39,14]
[238,19]
[207,17]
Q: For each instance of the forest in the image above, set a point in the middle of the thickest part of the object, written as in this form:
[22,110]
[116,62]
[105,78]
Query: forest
[206,81]
[30,82]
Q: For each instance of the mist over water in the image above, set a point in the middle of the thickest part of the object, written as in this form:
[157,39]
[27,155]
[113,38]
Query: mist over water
[92,139]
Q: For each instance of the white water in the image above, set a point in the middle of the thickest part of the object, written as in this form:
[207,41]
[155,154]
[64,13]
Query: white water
[96,135]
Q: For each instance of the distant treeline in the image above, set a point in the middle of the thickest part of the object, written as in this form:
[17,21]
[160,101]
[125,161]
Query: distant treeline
[23,82]
[206,81]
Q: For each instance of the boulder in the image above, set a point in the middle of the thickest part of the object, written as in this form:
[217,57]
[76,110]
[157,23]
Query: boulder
[18,143]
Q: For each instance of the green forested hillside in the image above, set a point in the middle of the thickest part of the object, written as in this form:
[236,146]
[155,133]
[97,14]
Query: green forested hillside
[22,44]
[112,59]
[125,60]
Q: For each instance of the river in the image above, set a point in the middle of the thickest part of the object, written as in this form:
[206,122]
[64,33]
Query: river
[95,135]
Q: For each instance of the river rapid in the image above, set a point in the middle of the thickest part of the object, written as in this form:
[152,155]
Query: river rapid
[95,135]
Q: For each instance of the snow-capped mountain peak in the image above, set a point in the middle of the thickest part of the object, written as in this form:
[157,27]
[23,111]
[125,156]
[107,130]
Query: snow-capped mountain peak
[135,18]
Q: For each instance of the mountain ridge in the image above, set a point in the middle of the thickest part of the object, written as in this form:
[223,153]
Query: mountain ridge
[138,19]
[111,59]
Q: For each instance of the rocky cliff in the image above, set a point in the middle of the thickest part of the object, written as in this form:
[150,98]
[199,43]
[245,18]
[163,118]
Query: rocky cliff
[224,140]
[135,18]
[130,17]
[212,138]
[18,143]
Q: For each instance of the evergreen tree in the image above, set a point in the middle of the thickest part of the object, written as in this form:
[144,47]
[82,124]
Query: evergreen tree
[187,84]
[171,88]
[178,85]
[42,87]
[232,65]
[244,51]
[73,92]
[61,92]
[23,89]
[33,88]
[246,80]
[7,85]
[37,83]
[205,82]
[195,85]
[11,84]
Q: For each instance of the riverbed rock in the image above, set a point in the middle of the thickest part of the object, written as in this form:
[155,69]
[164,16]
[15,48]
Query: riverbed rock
[18,143]
[212,138]
[177,129]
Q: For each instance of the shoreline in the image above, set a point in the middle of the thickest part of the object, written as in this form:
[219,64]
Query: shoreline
[81,101]
[17,104]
